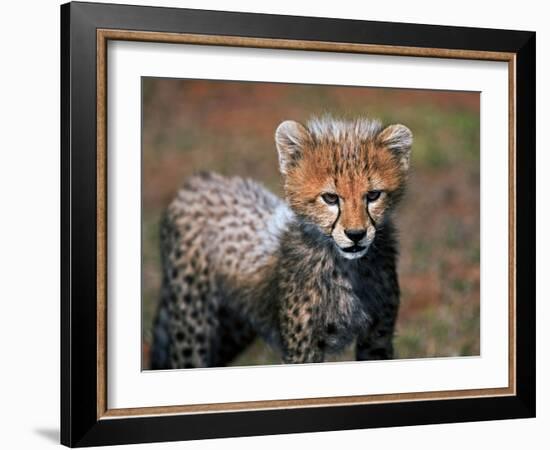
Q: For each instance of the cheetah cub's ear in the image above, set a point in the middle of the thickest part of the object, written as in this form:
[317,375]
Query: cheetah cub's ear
[290,137]
[398,139]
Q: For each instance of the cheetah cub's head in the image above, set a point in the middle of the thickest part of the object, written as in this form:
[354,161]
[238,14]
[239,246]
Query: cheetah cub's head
[344,177]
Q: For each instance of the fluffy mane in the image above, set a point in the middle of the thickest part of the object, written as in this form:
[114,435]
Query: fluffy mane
[327,128]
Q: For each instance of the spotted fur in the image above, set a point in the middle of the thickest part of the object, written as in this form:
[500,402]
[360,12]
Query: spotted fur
[239,262]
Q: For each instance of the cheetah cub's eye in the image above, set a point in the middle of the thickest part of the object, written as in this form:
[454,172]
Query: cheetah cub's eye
[372,196]
[329,198]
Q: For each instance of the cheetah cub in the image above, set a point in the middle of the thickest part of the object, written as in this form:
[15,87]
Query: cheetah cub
[308,275]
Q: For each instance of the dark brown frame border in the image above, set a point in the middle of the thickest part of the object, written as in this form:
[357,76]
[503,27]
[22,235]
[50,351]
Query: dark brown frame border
[86,29]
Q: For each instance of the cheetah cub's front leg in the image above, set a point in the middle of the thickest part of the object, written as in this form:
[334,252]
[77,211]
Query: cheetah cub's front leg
[298,337]
[377,342]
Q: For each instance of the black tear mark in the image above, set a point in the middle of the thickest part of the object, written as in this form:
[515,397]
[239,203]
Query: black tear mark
[335,221]
[370,217]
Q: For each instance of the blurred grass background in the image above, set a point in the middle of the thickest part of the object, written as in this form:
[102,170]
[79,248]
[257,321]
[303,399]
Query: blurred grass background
[228,127]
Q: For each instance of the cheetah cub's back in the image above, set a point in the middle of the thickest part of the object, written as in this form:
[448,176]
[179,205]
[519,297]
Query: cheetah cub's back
[218,235]
[233,223]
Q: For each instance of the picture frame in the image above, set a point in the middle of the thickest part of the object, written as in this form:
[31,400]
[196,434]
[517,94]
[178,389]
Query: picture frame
[86,29]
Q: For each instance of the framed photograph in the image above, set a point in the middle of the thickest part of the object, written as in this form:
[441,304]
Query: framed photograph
[276,224]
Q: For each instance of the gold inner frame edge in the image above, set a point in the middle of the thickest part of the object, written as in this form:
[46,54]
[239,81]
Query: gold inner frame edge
[103,36]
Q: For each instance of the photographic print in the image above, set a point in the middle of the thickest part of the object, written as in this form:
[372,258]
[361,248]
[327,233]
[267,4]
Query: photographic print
[295,223]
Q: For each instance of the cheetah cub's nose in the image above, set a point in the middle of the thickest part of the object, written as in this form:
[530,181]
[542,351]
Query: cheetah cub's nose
[355,235]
